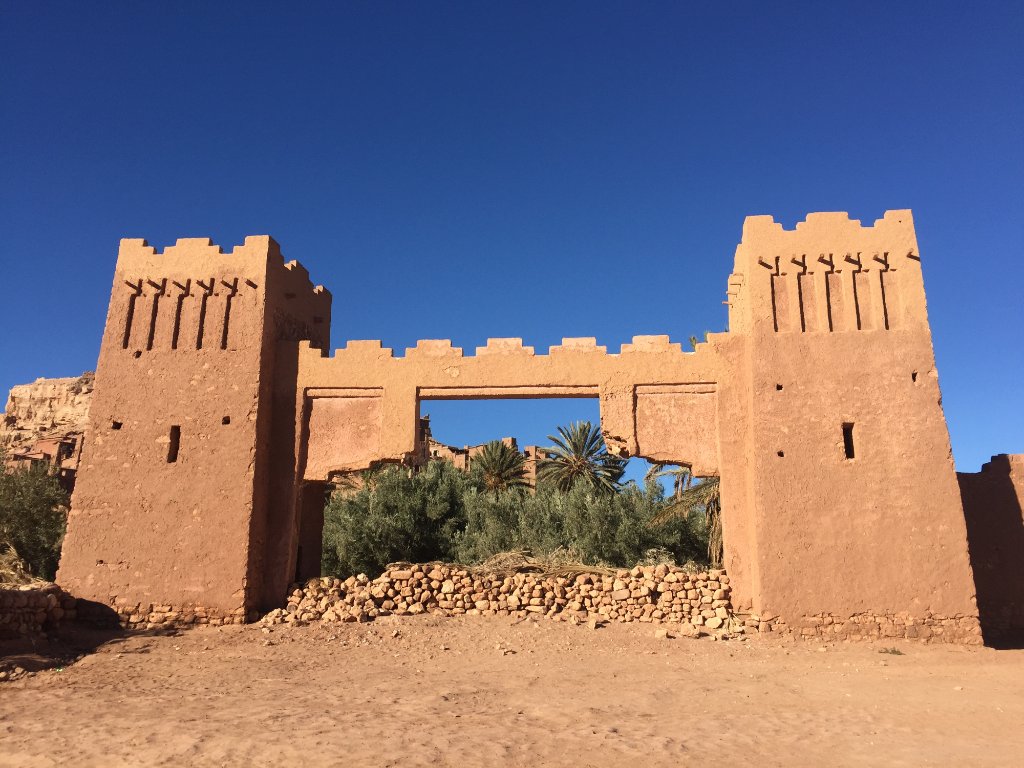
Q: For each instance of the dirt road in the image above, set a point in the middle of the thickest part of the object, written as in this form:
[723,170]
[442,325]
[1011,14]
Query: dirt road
[480,691]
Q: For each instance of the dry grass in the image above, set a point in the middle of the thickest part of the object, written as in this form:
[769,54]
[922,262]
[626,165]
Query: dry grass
[12,568]
[561,562]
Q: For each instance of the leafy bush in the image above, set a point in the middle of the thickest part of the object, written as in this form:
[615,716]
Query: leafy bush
[444,514]
[394,517]
[597,527]
[33,515]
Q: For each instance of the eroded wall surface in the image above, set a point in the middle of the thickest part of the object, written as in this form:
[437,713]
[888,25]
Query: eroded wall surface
[993,502]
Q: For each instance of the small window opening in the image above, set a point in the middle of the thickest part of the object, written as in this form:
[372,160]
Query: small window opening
[781,454]
[172,447]
[115,425]
[138,354]
[913,376]
[225,420]
[778,387]
[848,440]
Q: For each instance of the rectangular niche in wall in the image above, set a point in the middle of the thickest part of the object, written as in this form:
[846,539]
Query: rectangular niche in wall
[172,446]
[848,440]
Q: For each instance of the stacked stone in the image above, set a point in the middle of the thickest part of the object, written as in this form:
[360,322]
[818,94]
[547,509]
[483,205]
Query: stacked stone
[31,608]
[872,626]
[660,594]
[155,616]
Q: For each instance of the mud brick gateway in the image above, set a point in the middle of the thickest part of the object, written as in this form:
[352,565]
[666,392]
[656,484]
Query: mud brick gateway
[218,417]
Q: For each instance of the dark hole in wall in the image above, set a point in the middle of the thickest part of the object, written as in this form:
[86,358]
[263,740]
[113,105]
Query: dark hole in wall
[115,425]
[781,454]
[172,447]
[778,387]
[848,440]
[225,420]
[913,376]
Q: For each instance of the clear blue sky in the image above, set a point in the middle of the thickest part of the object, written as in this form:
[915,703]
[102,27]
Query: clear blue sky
[465,170]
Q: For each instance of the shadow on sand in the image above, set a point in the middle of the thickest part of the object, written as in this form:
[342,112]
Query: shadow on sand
[66,644]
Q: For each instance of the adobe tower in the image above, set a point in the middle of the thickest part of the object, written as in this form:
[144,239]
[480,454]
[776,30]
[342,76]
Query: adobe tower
[186,480]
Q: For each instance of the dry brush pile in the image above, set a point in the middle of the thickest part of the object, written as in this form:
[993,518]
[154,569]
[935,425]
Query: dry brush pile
[662,594]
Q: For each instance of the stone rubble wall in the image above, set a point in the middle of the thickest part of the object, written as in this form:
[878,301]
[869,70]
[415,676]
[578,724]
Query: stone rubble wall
[32,608]
[139,616]
[964,630]
[693,601]
[652,594]
[696,601]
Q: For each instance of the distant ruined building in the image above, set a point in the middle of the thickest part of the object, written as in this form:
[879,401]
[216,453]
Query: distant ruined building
[43,424]
[428,449]
[219,415]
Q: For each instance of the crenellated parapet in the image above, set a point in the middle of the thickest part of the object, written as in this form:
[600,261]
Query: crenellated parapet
[374,349]
[651,392]
[195,296]
[829,274]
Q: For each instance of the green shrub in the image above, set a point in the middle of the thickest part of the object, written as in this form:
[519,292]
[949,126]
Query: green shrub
[395,517]
[444,514]
[33,515]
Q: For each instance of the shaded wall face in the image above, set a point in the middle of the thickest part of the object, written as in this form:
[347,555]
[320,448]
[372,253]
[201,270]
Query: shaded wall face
[297,313]
[993,500]
[313,500]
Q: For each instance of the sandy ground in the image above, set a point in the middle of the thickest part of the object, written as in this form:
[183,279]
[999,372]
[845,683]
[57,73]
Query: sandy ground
[481,691]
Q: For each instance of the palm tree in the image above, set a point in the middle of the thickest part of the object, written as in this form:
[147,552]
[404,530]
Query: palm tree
[706,496]
[682,477]
[580,454]
[502,467]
